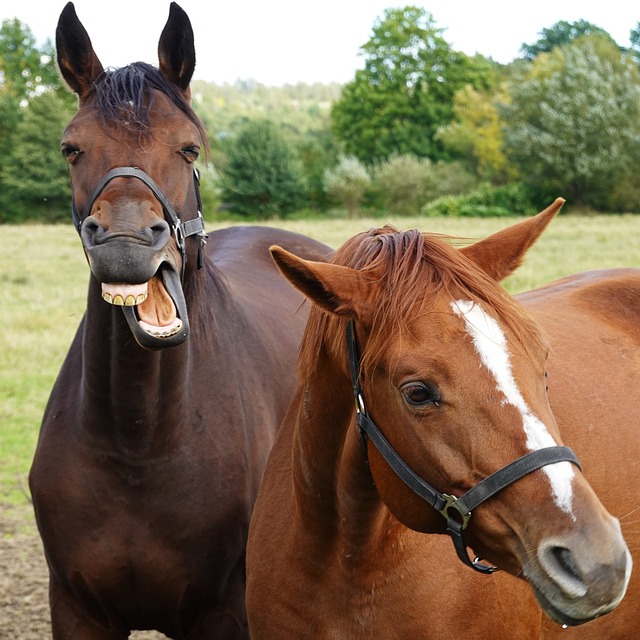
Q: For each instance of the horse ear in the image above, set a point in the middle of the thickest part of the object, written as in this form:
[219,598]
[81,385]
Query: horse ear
[339,290]
[501,254]
[77,60]
[176,51]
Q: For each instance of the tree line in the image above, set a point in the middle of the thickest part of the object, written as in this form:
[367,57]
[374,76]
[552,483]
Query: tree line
[420,128]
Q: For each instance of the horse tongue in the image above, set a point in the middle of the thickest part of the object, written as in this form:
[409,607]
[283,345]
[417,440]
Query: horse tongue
[157,314]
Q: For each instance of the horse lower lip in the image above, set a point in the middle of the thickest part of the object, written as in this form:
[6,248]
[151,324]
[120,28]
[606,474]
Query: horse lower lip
[554,612]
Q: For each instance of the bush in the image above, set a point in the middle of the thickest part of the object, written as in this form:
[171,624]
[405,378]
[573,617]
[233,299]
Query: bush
[403,183]
[484,201]
[348,181]
[452,178]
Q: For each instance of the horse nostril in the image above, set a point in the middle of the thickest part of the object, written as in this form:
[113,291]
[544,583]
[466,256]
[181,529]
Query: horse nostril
[91,232]
[159,232]
[561,566]
[564,559]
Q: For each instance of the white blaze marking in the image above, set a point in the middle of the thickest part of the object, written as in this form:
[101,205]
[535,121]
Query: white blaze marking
[491,344]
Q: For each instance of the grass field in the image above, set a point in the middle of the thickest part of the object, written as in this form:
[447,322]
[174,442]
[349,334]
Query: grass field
[43,279]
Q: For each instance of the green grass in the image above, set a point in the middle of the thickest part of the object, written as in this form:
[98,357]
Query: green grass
[43,279]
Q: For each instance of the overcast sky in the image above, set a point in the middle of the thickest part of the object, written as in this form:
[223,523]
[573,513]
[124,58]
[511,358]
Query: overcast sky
[286,41]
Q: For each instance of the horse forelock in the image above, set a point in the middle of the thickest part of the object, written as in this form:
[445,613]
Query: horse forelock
[124,97]
[412,270]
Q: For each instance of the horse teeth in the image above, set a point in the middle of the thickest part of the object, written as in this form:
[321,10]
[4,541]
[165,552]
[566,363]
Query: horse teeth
[165,333]
[125,295]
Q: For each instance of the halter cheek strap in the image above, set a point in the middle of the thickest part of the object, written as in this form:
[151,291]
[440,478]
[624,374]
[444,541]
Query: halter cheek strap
[181,230]
[456,511]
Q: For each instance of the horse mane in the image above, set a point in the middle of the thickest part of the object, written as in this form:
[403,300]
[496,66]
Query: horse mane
[124,97]
[412,269]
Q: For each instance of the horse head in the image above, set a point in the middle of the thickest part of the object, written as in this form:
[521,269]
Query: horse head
[131,149]
[451,383]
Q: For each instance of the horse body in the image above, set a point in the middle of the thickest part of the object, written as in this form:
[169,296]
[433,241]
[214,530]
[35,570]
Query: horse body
[152,449]
[337,545]
[593,323]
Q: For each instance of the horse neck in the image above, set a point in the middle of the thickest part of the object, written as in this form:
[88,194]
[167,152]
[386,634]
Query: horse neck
[333,487]
[131,394]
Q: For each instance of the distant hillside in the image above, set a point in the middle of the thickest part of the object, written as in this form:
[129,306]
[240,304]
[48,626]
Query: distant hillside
[301,107]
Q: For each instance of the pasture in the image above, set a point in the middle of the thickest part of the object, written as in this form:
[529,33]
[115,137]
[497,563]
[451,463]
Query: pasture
[43,280]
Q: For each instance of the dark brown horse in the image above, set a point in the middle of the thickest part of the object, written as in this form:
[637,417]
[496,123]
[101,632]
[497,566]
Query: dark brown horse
[422,384]
[156,433]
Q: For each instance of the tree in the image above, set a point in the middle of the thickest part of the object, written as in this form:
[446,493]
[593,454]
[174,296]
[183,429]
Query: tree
[561,33]
[634,38]
[25,70]
[475,134]
[263,173]
[26,74]
[573,123]
[404,94]
[35,184]
[318,150]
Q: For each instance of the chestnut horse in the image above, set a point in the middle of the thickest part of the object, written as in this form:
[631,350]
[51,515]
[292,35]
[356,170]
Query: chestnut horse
[155,436]
[421,379]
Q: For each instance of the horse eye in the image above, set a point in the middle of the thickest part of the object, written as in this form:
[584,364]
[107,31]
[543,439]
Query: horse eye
[419,394]
[191,153]
[70,152]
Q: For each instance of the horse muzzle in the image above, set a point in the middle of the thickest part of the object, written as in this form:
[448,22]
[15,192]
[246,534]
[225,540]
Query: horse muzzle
[574,586]
[137,272]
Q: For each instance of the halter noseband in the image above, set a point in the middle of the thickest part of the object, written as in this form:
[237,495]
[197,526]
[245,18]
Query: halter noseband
[181,230]
[456,511]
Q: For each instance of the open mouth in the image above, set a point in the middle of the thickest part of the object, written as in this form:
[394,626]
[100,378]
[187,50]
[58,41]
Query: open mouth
[155,310]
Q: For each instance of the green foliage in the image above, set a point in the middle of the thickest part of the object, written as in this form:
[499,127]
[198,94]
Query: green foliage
[35,184]
[559,34]
[301,108]
[403,183]
[573,123]
[404,94]
[452,178]
[634,49]
[25,69]
[347,182]
[318,150]
[475,134]
[484,201]
[263,174]
[209,191]
[33,111]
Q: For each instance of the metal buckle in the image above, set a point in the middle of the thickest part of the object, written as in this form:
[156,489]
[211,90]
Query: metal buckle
[451,502]
[179,233]
[360,403]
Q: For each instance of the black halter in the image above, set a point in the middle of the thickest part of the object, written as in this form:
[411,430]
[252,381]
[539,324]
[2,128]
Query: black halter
[181,230]
[456,511]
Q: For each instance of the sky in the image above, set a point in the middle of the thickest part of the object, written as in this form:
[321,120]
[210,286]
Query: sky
[289,41]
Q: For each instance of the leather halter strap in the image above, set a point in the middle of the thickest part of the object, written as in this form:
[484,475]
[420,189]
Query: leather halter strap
[456,511]
[182,230]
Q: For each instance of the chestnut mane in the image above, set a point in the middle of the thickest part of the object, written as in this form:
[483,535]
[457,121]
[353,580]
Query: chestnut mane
[412,269]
